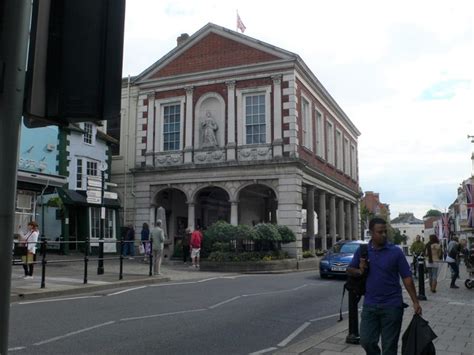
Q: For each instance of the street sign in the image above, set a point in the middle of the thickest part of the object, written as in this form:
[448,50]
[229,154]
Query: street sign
[94,193]
[111,184]
[110,195]
[95,200]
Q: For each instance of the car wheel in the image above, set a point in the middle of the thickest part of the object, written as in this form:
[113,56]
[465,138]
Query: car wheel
[323,276]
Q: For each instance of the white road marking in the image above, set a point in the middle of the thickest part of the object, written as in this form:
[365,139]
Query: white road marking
[74,333]
[267,350]
[127,290]
[294,334]
[273,292]
[326,317]
[163,314]
[173,284]
[17,348]
[58,299]
[224,302]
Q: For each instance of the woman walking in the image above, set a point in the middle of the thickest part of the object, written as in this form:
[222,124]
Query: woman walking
[434,253]
[145,238]
[29,240]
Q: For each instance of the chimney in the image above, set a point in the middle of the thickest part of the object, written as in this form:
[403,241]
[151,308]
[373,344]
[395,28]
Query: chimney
[181,39]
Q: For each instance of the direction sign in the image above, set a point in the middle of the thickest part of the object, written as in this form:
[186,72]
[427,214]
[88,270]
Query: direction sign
[95,200]
[94,193]
[110,195]
[94,183]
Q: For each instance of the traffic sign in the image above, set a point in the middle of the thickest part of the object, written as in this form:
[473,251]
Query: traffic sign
[94,193]
[95,200]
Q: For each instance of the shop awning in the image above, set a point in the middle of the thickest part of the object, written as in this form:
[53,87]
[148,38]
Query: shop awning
[35,181]
[78,198]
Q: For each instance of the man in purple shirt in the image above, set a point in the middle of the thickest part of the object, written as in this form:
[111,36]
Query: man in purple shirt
[383,302]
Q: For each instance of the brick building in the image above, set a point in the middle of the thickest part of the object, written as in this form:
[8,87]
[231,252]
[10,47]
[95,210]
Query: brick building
[227,127]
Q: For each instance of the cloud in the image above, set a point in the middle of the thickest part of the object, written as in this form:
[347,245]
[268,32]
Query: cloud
[444,90]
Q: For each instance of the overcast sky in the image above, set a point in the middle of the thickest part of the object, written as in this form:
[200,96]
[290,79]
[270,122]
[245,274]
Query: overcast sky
[401,70]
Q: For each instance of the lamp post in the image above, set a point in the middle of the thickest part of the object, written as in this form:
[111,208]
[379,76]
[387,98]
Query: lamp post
[100,267]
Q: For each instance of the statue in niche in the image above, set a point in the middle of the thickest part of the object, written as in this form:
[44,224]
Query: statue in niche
[209,128]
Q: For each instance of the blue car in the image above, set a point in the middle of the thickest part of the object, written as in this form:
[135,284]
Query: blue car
[338,258]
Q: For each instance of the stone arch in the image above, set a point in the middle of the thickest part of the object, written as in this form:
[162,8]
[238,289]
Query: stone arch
[249,183]
[209,106]
[155,191]
[257,203]
[212,203]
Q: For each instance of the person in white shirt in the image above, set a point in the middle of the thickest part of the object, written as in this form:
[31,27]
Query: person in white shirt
[29,240]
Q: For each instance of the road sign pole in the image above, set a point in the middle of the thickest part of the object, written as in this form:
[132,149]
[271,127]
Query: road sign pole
[100,268]
[15,20]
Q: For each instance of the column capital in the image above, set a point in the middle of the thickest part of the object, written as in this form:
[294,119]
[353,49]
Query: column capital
[189,89]
[276,79]
[190,203]
[230,84]
[151,95]
[234,202]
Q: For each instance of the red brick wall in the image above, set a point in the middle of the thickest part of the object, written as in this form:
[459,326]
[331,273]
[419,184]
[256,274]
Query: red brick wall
[214,52]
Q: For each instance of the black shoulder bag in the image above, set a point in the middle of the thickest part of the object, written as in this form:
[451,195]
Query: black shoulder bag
[356,284]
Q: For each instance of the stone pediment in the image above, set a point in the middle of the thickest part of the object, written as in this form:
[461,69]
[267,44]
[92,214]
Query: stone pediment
[212,48]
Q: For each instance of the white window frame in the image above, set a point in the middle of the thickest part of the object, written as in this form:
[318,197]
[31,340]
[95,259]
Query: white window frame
[160,112]
[330,152]
[110,227]
[339,151]
[306,123]
[347,157]
[320,144]
[353,161]
[84,174]
[85,135]
[79,174]
[241,114]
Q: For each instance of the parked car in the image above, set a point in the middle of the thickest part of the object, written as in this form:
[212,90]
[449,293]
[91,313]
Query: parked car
[338,258]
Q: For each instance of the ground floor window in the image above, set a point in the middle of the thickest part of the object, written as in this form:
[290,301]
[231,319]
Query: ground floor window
[25,209]
[109,221]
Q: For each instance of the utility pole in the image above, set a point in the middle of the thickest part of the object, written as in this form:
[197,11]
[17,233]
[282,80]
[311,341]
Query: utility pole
[15,19]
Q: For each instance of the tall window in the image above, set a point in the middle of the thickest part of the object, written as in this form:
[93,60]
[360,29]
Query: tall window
[91,168]
[88,132]
[339,160]
[353,162]
[255,125]
[347,157]
[79,174]
[171,127]
[307,126]
[319,135]
[330,143]
[95,222]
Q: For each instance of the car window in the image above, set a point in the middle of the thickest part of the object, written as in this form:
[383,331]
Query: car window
[345,248]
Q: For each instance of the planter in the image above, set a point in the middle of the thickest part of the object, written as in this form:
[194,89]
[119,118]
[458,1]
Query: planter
[260,266]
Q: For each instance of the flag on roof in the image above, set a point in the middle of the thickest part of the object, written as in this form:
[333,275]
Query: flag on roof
[240,24]
[469,204]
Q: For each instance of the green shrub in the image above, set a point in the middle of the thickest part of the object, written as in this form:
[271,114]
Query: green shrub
[287,235]
[308,254]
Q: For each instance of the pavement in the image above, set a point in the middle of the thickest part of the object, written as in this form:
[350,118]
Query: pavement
[450,312]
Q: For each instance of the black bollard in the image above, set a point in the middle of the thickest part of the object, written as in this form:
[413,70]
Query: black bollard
[43,262]
[353,337]
[151,259]
[86,259]
[421,278]
[121,260]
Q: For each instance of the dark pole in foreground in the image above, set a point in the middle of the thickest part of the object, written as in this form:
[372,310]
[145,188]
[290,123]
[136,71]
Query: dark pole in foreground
[353,337]
[100,268]
[421,278]
[15,19]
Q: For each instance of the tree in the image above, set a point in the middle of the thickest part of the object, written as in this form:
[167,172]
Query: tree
[432,213]
[398,238]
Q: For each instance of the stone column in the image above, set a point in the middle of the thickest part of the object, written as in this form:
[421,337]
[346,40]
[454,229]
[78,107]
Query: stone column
[348,221]
[340,219]
[188,148]
[150,130]
[310,217]
[191,217]
[355,222]
[277,118]
[231,145]
[322,219]
[234,213]
[152,215]
[332,218]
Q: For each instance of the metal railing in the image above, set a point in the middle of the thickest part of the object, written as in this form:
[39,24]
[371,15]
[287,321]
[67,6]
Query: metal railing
[18,259]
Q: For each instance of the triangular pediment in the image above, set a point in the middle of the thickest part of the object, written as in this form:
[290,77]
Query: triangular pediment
[213,48]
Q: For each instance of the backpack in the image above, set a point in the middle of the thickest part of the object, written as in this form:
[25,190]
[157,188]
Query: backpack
[356,284]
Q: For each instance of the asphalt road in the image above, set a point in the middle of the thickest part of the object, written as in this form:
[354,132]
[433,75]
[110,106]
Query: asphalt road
[224,315]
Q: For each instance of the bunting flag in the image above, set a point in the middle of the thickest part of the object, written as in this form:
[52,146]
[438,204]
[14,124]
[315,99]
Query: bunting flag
[240,24]
[469,204]
[445,223]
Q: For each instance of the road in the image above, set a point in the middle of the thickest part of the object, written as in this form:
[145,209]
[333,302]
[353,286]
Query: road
[241,314]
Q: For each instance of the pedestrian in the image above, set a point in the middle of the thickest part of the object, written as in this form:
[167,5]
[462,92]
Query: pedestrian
[129,245]
[416,249]
[29,240]
[434,253]
[157,236]
[382,312]
[186,243]
[196,241]
[453,260]
[145,239]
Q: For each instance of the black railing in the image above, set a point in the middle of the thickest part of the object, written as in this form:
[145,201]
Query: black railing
[21,257]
